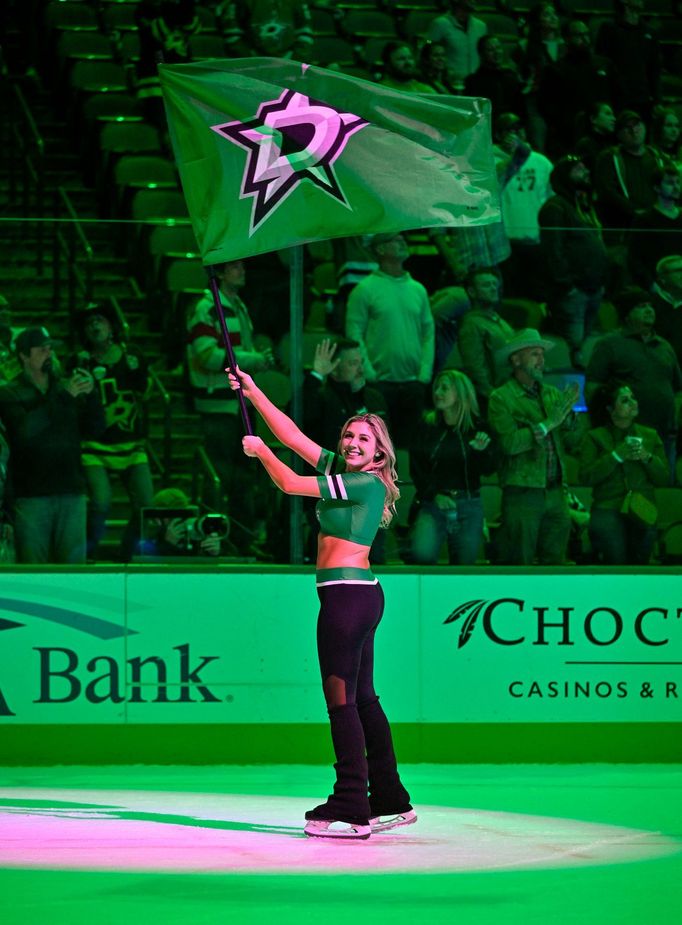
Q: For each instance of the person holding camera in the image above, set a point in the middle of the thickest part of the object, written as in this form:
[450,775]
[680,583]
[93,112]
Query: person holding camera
[356,494]
[46,416]
[623,462]
[180,532]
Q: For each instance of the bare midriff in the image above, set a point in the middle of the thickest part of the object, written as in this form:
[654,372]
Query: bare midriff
[333,552]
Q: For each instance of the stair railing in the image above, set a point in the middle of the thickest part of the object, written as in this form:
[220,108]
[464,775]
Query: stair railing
[27,168]
[73,252]
[205,481]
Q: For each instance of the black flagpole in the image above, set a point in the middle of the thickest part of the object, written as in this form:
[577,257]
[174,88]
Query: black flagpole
[214,286]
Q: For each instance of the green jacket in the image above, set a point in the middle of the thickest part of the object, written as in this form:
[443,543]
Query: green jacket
[513,414]
[611,480]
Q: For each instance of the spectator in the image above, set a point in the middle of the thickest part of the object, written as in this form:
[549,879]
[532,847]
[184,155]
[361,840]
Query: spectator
[568,87]
[122,381]
[459,31]
[482,333]
[334,391]
[619,457]
[625,173]
[542,46]
[214,400]
[390,317]
[665,134]
[275,30]
[531,421]
[448,306]
[574,255]
[632,48]
[178,533]
[601,123]
[524,190]
[494,80]
[647,362]
[655,233]
[45,418]
[399,69]
[667,301]
[451,452]
[433,68]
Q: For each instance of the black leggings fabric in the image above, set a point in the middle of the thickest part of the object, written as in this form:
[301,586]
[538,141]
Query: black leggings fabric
[349,616]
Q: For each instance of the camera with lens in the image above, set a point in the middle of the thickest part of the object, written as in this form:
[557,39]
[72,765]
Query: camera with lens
[196,529]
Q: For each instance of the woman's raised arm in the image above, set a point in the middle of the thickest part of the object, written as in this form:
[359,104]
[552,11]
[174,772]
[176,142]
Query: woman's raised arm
[281,425]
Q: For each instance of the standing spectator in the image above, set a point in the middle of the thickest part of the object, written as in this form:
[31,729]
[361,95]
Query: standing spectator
[632,48]
[482,333]
[524,190]
[390,317]
[647,362]
[601,122]
[214,400]
[618,457]
[574,254]
[494,80]
[531,420]
[459,31]
[569,85]
[542,46]
[433,68]
[655,234]
[667,301]
[274,28]
[121,378]
[399,69]
[45,418]
[451,452]
[624,174]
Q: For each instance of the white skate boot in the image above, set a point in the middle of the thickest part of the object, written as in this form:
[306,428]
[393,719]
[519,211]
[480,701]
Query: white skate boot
[332,828]
[384,823]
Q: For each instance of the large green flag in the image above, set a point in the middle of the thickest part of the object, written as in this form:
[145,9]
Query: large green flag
[274,153]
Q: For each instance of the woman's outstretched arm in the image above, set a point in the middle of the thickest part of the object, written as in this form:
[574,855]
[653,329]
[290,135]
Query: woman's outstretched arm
[284,478]
[281,425]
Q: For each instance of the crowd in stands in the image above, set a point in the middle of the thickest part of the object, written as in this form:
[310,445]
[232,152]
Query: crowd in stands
[536,360]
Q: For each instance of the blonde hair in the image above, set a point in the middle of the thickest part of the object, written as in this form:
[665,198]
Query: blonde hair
[467,403]
[384,468]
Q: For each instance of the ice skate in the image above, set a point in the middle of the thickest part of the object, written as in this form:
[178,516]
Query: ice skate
[384,823]
[333,828]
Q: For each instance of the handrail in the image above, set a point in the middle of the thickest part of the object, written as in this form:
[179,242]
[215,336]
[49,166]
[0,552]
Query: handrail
[204,469]
[27,158]
[71,243]
[167,457]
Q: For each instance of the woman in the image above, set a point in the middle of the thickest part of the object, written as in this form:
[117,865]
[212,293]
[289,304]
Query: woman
[122,380]
[601,122]
[542,46]
[619,457]
[433,68]
[357,493]
[446,464]
[665,133]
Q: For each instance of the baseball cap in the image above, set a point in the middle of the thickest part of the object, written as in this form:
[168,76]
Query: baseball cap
[383,238]
[33,337]
[627,117]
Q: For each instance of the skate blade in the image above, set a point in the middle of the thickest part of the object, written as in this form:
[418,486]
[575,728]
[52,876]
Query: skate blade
[384,823]
[324,828]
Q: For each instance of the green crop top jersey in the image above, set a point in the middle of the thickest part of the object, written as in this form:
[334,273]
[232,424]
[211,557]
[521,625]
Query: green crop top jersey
[351,506]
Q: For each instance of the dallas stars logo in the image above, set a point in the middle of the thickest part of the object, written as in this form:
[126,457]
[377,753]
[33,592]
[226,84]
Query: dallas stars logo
[291,139]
